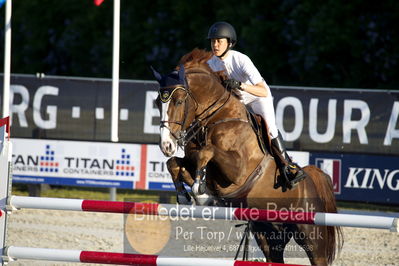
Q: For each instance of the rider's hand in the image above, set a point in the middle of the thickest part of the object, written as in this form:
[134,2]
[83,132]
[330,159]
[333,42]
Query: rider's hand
[231,84]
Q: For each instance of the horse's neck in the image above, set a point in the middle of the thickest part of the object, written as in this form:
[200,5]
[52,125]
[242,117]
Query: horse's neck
[233,107]
[209,96]
[198,70]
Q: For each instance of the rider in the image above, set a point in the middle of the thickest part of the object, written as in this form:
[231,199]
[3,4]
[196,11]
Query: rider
[244,76]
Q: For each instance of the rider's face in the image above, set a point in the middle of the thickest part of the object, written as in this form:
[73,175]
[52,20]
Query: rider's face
[219,46]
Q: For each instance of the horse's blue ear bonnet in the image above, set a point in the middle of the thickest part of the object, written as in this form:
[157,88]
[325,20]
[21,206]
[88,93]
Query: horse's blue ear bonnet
[170,83]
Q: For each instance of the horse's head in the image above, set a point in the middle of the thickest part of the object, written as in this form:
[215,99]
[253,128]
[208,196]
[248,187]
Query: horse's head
[173,103]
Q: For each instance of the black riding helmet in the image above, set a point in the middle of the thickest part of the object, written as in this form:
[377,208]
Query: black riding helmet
[221,30]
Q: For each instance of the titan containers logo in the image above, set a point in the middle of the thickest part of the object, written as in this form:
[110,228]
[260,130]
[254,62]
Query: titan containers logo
[42,161]
[112,165]
[332,167]
[47,162]
[123,165]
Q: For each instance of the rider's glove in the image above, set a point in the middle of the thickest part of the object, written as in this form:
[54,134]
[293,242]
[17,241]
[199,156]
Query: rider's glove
[231,84]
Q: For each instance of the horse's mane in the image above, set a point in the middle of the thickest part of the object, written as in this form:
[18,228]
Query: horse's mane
[198,58]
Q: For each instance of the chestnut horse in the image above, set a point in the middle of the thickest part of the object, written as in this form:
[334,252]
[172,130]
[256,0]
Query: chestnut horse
[223,159]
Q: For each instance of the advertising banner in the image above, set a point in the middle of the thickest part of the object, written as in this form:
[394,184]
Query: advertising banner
[80,109]
[338,120]
[157,175]
[360,177]
[76,163]
[310,119]
[98,164]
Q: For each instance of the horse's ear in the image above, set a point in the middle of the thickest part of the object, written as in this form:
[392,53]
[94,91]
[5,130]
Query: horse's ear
[182,74]
[157,76]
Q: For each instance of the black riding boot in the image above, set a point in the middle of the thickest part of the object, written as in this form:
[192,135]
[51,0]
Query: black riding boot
[290,171]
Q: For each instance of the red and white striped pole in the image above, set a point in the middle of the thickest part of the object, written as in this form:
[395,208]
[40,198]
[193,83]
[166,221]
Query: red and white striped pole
[209,213]
[121,258]
[5,176]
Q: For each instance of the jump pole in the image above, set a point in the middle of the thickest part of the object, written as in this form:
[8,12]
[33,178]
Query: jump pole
[121,258]
[206,212]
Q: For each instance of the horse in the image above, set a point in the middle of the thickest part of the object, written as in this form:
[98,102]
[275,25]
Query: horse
[224,162]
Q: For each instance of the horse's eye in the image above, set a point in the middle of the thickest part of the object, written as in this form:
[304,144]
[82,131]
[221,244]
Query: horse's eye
[179,102]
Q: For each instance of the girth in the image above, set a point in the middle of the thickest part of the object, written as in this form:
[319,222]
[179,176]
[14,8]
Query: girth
[251,180]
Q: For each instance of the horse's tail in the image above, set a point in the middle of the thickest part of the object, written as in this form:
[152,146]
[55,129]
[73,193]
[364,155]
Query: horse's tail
[325,191]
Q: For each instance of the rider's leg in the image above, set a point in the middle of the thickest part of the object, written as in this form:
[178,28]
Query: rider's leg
[291,172]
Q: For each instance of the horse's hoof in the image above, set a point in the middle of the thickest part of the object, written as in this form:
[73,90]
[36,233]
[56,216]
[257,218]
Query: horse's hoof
[202,188]
[197,188]
[184,199]
[204,200]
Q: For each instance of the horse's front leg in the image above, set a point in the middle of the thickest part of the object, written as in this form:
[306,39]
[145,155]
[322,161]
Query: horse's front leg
[179,174]
[202,157]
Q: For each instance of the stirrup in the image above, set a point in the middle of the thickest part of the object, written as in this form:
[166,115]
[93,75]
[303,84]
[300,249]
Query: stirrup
[293,174]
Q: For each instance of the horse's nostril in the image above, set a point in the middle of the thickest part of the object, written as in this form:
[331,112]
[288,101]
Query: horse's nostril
[167,146]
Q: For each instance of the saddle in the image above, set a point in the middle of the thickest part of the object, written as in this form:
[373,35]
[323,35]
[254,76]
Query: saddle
[290,173]
[261,130]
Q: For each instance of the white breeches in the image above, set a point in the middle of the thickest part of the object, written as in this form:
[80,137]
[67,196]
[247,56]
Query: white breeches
[264,107]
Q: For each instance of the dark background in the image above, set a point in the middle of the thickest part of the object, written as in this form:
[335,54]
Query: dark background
[303,43]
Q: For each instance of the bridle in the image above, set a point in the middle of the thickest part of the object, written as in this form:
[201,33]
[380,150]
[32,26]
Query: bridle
[165,95]
[185,135]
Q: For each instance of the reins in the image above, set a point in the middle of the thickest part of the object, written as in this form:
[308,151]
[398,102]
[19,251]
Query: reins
[200,123]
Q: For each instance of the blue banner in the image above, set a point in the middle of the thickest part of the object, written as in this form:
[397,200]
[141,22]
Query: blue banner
[72,181]
[364,178]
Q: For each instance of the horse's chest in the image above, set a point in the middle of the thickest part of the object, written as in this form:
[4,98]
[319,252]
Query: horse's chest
[200,138]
